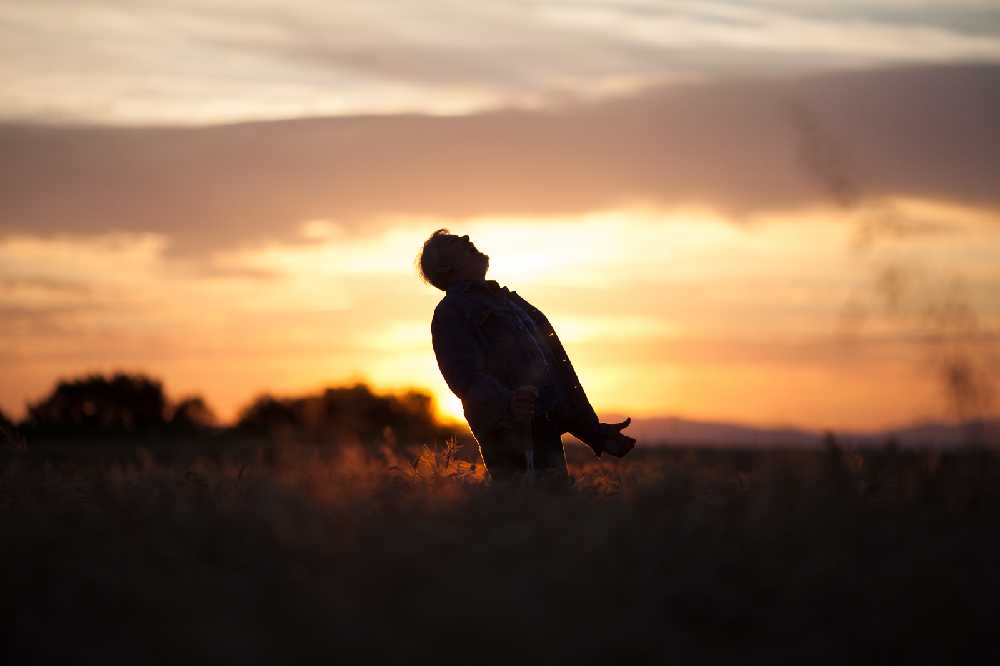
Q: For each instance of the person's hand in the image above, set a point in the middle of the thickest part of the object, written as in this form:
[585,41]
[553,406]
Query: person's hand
[522,403]
[615,442]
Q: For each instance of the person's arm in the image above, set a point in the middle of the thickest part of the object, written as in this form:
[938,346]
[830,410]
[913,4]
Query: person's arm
[583,423]
[463,365]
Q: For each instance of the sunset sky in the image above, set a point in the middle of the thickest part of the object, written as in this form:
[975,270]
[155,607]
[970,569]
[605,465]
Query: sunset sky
[773,212]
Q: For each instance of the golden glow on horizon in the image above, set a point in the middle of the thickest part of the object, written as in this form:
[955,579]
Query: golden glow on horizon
[677,313]
[450,407]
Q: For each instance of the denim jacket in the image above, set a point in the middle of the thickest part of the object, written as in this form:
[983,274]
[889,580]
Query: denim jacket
[489,341]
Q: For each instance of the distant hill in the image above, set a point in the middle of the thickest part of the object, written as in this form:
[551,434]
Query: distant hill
[673,430]
[942,434]
[679,431]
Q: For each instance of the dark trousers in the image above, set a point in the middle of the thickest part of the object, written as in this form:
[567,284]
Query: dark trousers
[503,451]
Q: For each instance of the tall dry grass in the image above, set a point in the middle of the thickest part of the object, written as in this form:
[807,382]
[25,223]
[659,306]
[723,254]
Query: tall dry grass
[686,556]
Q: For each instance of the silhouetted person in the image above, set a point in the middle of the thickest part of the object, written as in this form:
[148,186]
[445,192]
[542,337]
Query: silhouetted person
[502,358]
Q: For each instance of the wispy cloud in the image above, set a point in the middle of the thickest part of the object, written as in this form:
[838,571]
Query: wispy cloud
[180,61]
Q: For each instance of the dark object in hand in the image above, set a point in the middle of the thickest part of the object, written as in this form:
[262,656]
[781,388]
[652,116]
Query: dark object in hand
[615,442]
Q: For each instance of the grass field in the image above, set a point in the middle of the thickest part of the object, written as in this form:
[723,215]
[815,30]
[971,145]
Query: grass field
[685,556]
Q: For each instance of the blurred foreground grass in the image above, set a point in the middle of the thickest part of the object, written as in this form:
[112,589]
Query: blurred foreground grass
[301,554]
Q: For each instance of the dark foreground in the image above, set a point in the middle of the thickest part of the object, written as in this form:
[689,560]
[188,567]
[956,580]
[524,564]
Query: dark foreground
[679,556]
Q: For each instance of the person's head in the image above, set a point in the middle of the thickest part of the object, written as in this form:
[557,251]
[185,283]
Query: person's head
[447,258]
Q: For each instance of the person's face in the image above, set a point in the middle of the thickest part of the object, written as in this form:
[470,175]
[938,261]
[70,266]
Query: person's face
[465,261]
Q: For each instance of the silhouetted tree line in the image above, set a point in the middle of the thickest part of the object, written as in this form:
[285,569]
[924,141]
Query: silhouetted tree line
[340,414]
[126,407]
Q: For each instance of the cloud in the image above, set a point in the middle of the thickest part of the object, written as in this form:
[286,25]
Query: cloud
[185,61]
[736,147]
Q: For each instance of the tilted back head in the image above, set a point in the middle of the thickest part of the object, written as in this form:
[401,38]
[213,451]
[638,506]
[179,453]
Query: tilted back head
[429,262]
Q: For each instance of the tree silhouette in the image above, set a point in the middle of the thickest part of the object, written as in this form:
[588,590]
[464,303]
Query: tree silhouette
[352,413]
[192,415]
[267,415]
[98,406]
[8,432]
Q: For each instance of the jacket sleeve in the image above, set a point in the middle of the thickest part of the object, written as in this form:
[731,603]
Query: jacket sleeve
[583,422]
[463,364]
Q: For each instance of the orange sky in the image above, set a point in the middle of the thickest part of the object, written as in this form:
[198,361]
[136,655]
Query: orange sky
[663,314]
[755,212]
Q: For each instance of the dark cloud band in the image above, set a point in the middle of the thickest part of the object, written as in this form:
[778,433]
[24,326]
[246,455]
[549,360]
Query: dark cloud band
[740,146]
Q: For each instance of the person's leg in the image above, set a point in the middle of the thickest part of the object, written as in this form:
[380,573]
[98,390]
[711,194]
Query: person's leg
[550,457]
[503,460]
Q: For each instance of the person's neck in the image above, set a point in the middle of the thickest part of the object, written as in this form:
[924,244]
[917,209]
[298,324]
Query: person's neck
[466,282]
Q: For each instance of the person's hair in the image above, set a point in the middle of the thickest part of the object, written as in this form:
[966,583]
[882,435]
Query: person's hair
[427,260]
